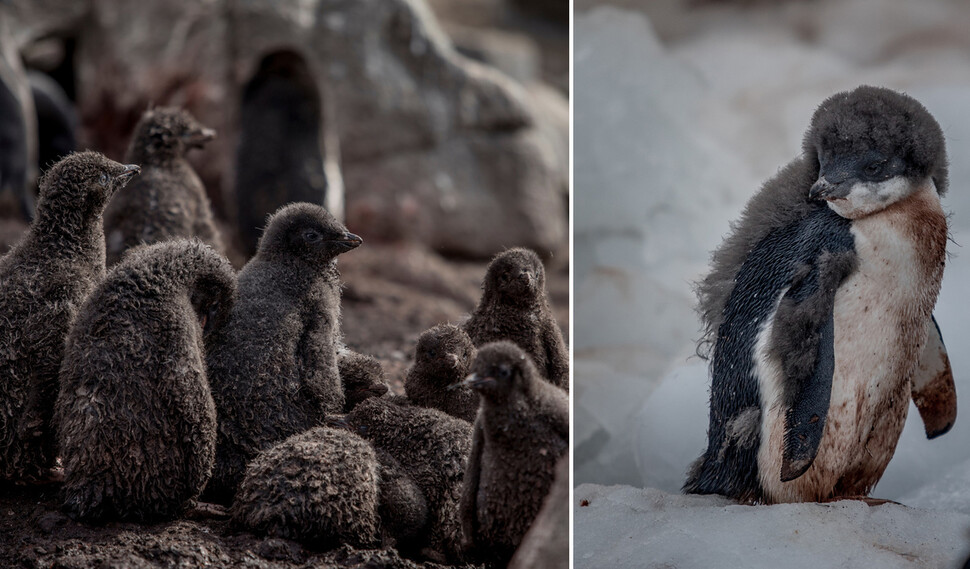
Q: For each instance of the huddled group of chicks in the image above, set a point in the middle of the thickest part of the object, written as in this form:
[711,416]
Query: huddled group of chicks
[170,377]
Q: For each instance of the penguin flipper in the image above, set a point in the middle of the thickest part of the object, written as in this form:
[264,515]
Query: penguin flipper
[804,333]
[934,392]
[805,419]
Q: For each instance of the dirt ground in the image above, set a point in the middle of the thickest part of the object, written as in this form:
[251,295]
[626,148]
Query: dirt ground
[392,294]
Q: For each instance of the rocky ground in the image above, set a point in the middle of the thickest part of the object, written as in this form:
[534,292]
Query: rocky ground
[392,294]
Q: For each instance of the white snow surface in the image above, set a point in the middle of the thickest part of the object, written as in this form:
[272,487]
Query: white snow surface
[622,527]
[672,137]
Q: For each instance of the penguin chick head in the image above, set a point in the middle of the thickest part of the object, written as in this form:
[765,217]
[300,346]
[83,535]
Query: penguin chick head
[444,352]
[164,133]
[82,182]
[362,378]
[306,232]
[500,370]
[873,147]
[516,277]
[370,415]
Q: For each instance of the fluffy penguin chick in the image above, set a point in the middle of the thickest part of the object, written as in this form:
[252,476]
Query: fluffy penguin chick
[43,281]
[321,487]
[441,361]
[362,377]
[521,431]
[431,447]
[168,200]
[274,370]
[819,305]
[135,420]
[514,307]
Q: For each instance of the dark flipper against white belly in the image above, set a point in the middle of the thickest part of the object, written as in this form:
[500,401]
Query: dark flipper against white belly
[786,287]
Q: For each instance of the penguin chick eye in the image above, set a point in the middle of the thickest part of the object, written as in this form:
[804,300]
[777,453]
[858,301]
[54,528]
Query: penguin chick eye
[432,353]
[874,169]
[311,236]
[504,372]
[104,179]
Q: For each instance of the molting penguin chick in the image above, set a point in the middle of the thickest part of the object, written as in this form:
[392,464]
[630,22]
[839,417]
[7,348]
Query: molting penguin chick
[514,307]
[441,361]
[274,370]
[168,200]
[521,431]
[818,309]
[43,281]
[321,487]
[431,447]
[135,419]
[362,377]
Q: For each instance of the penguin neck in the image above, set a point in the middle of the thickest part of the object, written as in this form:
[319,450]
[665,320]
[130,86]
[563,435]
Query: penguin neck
[298,276]
[69,231]
[493,298]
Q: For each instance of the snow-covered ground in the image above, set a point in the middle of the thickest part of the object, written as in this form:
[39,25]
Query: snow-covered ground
[671,138]
[646,528]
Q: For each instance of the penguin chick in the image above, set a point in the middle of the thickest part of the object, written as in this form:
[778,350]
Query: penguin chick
[431,447]
[44,279]
[320,487]
[515,307]
[362,377]
[521,431]
[819,305]
[280,155]
[135,419]
[274,370]
[168,200]
[441,361]
[403,508]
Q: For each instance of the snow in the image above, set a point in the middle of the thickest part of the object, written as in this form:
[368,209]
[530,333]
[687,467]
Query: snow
[649,528]
[672,137]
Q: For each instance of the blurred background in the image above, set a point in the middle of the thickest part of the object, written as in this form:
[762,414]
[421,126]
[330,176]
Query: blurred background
[419,138]
[682,109]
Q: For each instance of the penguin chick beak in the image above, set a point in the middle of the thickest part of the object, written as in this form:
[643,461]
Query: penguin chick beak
[129,172]
[338,422]
[475,381]
[349,241]
[198,138]
[377,390]
[820,189]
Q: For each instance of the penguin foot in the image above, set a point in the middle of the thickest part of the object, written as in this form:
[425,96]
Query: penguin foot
[866,499]
[206,510]
[54,475]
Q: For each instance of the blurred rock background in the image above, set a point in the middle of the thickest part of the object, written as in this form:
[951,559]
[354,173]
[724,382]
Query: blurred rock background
[467,155]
